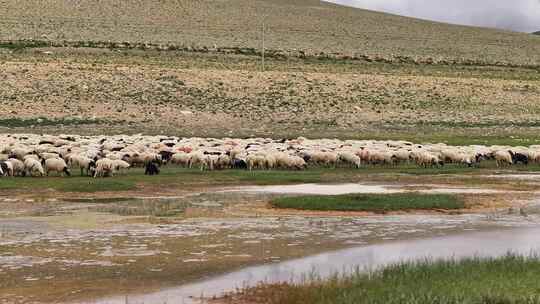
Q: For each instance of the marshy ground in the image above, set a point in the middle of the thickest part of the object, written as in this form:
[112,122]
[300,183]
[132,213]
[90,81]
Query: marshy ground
[60,245]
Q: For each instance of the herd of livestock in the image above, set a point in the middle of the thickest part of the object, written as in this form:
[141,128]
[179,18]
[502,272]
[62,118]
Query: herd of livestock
[101,156]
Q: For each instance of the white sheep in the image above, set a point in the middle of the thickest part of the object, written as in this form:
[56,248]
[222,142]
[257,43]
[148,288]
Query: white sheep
[33,166]
[502,158]
[80,161]
[223,162]
[181,158]
[297,163]
[327,159]
[48,155]
[350,159]
[17,167]
[120,166]
[56,165]
[104,167]
[197,159]
[256,161]
[9,169]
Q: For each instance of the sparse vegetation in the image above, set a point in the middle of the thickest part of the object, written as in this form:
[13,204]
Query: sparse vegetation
[302,28]
[180,94]
[44,121]
[199,82]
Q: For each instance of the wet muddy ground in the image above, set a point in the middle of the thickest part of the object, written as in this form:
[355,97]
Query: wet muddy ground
[92,250]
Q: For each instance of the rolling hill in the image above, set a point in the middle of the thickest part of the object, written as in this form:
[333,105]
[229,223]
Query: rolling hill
[309,27]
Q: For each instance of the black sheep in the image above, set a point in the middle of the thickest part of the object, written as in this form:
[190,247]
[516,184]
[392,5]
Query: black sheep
[4,167]
[152,168]
[519,158]
[166,155]
[239,164]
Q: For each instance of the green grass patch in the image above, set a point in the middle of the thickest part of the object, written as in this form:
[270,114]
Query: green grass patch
[505,280]
[22,44]
[182,178]
[379,203]
[67,184]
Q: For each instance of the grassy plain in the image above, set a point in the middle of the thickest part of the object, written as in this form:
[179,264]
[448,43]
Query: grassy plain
[176,178]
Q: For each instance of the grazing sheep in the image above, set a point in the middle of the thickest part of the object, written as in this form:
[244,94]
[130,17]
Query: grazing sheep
[519,158]
[328,159]
[197,159]
[7,168]
[270,161]
[181,158]
[503,158]
[33,166]
[165,156]
[426,159]
[402,156]
[350,159]
[47,155]
[223,162]
[209,162]
[239,163]
[297,163]
[32,156]
[56,165]
[283,159]
[82,162]
[104,168]
[151,168]
[120,166]
[256,161]
[19,153]
[17,167]
[254,153]
[381,158]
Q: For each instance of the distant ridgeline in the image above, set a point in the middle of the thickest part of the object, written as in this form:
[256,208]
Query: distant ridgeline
[536,33]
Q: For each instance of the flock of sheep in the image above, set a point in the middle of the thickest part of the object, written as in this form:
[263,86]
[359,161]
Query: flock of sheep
[101,156]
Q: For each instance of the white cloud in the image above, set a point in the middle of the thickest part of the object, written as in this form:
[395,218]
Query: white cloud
[518,15]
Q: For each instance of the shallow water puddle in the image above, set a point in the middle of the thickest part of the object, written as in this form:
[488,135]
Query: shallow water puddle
[489,244]
[320,189]
[339,189]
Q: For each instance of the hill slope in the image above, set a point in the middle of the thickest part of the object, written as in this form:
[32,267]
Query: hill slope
[307,25]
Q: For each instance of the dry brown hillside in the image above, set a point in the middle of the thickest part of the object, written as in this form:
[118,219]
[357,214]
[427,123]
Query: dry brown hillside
[479,82]
[307,25]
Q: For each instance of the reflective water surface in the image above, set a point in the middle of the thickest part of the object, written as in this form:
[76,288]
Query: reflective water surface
[492,243]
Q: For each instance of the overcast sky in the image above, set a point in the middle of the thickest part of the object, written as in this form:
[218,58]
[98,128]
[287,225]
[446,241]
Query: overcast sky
[517,15]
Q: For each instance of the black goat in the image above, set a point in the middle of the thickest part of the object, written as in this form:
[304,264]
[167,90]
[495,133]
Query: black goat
[165,156]
[519,158]
[239,164]
[152,168]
